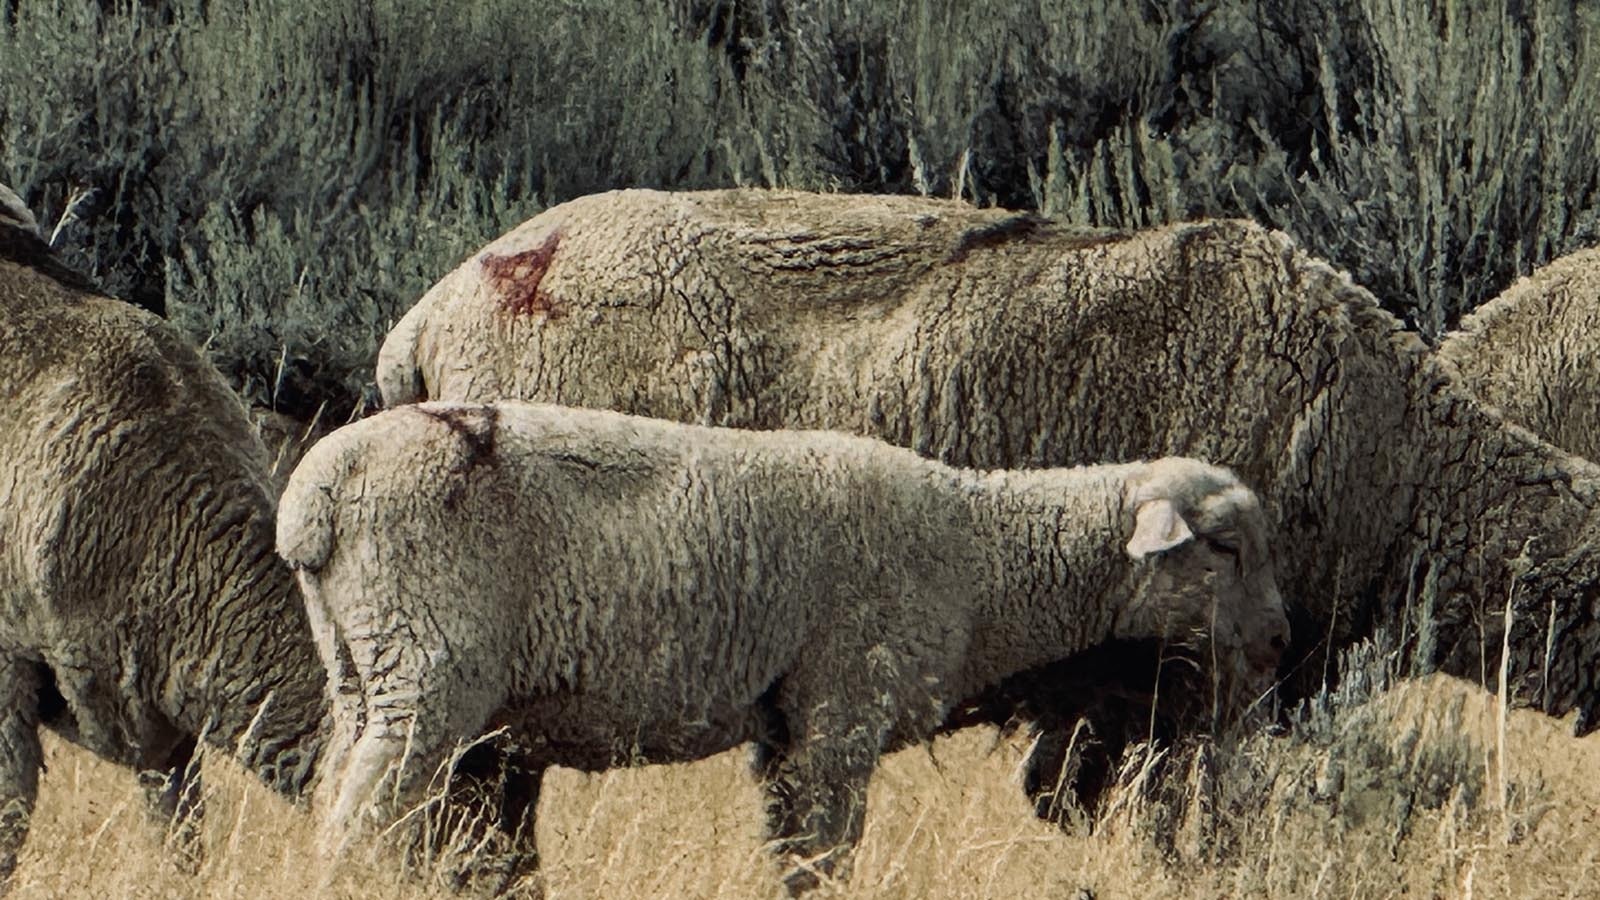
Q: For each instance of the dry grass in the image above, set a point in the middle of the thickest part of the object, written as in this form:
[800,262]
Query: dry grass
[1400,796]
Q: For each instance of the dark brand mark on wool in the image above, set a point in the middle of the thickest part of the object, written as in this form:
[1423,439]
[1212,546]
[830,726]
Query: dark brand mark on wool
[516,278]
[1022,227]
[476,427]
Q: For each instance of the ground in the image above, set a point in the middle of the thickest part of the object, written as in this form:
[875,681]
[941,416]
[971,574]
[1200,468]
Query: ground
[1405,797]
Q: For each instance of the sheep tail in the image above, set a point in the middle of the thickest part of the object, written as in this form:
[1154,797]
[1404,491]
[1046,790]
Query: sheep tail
[399,375]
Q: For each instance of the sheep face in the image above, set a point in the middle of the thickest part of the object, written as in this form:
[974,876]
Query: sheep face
[1205,577]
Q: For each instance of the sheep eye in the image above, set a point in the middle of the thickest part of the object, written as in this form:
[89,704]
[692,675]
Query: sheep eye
[1227,548]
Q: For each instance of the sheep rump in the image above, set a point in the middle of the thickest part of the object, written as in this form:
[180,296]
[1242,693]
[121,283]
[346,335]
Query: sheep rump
[141,605]
[612,587]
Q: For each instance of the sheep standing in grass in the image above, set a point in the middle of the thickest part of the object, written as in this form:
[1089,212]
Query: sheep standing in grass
[1533,353]
[612,587]
[141,605]
[988,341]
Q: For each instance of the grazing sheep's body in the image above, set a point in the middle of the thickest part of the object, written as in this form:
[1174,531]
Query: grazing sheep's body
[141,604]
[611,586]
[1534,353]
[1013,343]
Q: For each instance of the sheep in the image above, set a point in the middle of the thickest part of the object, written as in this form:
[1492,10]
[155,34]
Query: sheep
[1530,353]
[142,608]
[1014,342]
[612,587]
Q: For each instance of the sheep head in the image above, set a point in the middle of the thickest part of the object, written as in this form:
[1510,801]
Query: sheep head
[1205,577]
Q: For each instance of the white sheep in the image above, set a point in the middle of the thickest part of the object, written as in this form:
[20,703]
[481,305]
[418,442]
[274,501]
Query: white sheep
[1009,342]
[141,606]
[612,587]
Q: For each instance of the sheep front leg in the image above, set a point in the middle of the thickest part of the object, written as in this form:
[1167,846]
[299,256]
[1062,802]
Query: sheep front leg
[817,785]
[21,756]
[818,802]
[176,797]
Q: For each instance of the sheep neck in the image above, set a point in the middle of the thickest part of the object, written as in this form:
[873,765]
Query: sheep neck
[1051,544]
[1501,495]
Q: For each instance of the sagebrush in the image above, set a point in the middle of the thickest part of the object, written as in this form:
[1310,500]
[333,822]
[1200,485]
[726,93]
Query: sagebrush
[285,180]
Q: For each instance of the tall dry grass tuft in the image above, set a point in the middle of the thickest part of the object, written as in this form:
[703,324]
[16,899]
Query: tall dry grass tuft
[1377,790]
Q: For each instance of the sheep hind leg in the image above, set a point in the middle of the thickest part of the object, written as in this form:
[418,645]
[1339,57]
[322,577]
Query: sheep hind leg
[518,804]
[347,711]
[397,774]
[21,756]
[373,757]
[387,774]
[384,774]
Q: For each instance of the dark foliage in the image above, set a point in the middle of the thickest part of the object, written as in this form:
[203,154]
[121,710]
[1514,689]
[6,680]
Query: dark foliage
[285,180]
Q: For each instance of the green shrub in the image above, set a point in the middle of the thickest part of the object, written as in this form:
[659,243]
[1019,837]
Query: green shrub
[1468,154]
[286,179]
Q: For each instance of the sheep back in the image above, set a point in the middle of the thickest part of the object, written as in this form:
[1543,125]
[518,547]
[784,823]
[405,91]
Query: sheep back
[1531,353]
[623,268]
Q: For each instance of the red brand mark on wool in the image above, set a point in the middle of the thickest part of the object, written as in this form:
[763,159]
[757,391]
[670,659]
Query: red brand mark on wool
[515,277]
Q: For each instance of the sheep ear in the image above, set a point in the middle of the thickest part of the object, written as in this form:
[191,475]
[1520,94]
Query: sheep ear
[1157,527]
